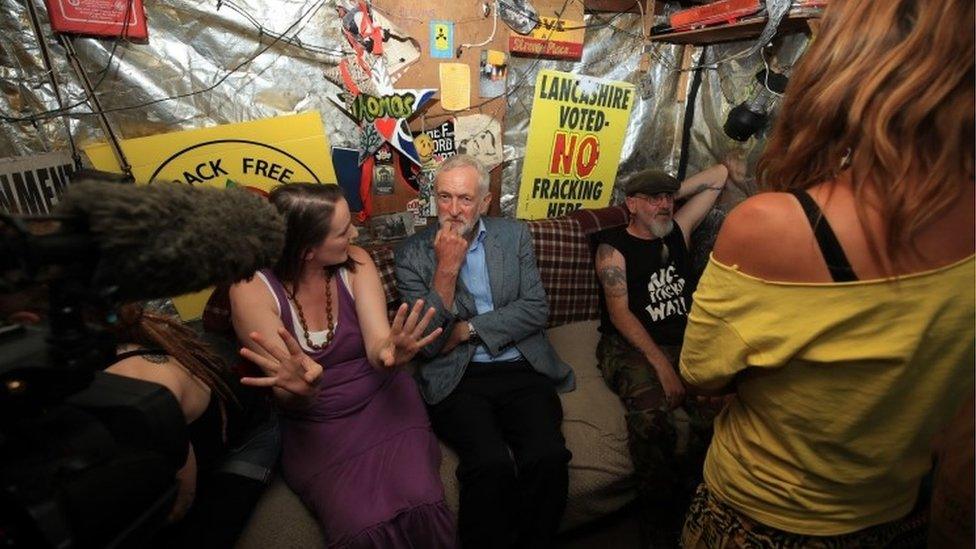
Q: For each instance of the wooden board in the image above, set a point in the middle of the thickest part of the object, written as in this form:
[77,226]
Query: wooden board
[471,26]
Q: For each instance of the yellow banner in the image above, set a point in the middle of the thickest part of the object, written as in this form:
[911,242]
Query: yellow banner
[573,149]
[259,154]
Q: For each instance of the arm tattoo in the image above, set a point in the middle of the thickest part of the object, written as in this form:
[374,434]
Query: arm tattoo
[156,358]
[614,281]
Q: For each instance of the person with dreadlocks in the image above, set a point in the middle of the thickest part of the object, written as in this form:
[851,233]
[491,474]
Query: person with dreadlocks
[213,500]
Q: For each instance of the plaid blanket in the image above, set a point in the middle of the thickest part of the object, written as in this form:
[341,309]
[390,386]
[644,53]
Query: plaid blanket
[563,252]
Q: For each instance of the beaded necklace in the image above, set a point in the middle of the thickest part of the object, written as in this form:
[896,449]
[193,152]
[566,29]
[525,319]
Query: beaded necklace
[330,328]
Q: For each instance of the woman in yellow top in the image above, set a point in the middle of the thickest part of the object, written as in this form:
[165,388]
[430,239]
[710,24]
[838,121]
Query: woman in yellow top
[839,307]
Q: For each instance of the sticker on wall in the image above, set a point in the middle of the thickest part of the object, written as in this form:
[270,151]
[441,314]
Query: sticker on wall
[480,136]
[383,172]
[492,74]
[442,39]
[455,86]
[573,148]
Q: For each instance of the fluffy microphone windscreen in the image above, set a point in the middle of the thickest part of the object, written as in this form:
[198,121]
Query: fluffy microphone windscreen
[168,239]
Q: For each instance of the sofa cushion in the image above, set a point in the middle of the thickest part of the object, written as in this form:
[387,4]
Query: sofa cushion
[600,473]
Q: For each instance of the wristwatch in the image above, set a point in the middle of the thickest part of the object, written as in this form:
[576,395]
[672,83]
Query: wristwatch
[472,333]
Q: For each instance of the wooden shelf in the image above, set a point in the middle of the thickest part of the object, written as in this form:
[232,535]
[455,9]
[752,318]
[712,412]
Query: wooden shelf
[740,30]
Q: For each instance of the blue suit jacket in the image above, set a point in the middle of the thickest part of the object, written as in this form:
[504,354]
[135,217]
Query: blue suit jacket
[519,317]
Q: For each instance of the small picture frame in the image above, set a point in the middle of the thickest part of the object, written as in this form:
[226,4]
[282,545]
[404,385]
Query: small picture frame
[394,226]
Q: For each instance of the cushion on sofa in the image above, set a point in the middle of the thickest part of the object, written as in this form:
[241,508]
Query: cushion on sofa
[600,473]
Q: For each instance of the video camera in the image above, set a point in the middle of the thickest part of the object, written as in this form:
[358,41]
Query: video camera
[87,459]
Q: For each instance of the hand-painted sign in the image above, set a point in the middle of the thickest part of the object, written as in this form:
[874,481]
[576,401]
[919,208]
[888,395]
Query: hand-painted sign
[559,34]
[575,136]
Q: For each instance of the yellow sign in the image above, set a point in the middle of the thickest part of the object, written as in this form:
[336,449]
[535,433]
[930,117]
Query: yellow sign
[558,34]
[573,149]
[259,154]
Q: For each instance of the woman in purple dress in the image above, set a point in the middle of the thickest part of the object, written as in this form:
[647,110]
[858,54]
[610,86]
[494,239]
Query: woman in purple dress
[358,448]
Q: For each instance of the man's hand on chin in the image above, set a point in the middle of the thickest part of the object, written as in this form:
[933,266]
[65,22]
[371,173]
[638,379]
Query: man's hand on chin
[450,247]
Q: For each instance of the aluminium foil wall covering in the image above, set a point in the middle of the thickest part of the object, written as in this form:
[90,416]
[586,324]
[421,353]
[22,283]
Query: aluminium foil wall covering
[193,45]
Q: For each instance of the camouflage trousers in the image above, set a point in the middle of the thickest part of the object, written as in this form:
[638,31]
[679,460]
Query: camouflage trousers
[667,446]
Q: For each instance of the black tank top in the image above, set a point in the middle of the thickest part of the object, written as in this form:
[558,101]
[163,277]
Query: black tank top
[658,282]
[206,432]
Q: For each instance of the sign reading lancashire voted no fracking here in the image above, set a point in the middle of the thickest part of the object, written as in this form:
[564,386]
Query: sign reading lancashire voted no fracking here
[258,155]
[573,149]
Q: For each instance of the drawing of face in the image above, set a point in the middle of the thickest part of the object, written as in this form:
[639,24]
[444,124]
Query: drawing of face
[425,147]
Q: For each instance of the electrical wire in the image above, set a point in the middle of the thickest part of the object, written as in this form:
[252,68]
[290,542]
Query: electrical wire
[494,27]
[298,43]
[762,52]
[58,112]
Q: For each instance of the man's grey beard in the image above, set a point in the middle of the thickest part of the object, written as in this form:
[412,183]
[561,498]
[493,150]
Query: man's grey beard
[662,230]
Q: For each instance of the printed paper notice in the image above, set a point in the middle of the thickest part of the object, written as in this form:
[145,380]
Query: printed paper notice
[455,86]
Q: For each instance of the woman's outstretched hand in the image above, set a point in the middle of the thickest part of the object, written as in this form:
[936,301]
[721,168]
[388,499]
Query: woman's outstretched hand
[407,335]
[292,371]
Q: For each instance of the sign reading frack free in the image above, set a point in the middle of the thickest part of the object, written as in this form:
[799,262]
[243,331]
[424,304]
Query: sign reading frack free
[259,154]
[573,149]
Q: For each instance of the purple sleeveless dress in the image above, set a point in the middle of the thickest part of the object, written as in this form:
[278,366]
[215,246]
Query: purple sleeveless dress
[363,457]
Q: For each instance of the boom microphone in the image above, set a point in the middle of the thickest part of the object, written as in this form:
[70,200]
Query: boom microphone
[168,239]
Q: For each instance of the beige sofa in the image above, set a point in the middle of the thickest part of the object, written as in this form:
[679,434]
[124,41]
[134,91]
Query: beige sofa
[600,472]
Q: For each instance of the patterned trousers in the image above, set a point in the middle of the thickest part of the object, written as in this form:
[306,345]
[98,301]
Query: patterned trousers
[712,524]
[667,447]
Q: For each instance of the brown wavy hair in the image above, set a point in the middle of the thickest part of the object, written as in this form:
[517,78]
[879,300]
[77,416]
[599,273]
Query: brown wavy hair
[308,209]
[885,91]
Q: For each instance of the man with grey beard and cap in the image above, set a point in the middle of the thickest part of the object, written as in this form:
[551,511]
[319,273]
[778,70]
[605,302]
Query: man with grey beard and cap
[644,270]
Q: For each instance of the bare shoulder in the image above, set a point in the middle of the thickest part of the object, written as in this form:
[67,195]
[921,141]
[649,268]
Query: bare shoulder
[160,369]
[365,266]
[252,294]
[767,235]
[252,287]
[608,255]
[361,257]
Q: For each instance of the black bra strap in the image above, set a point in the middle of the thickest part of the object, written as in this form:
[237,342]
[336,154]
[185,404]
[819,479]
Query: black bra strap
[138,352]
[837,263]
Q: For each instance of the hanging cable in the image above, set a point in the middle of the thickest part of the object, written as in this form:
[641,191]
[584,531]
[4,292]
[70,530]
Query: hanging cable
[494,27]
[52,76]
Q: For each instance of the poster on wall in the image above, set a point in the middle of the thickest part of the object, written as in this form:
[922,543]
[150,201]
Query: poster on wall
[573,147]
[99,18]
[442,39]
[33,185]
[258,155]
[433,147]
[480,136]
